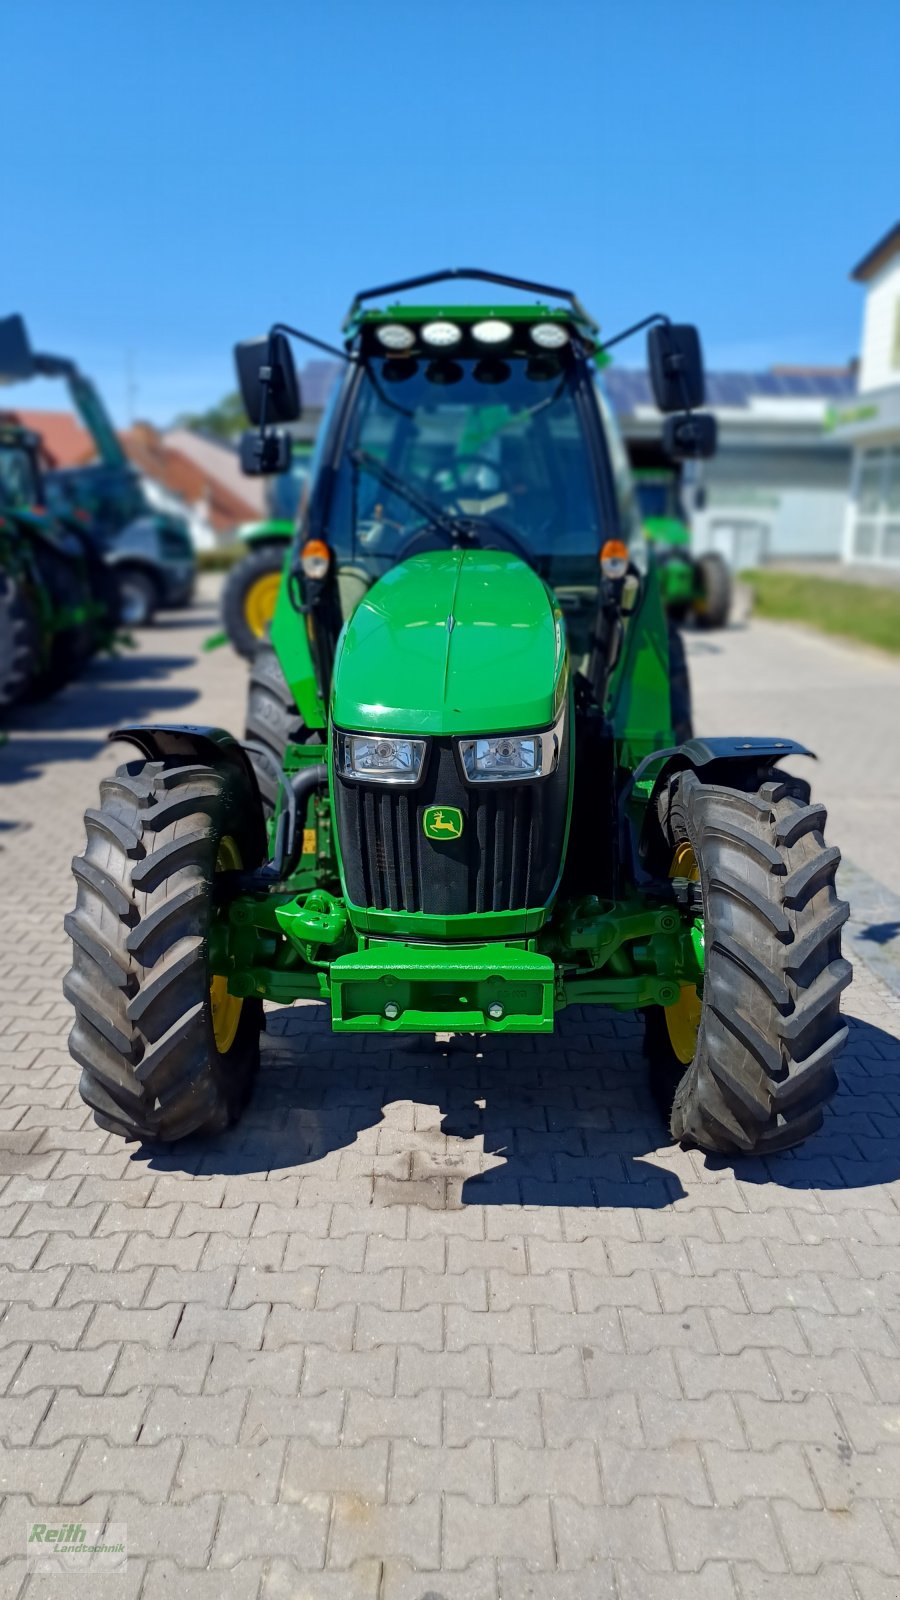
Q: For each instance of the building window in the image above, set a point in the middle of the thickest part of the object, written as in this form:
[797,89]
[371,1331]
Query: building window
[876,528]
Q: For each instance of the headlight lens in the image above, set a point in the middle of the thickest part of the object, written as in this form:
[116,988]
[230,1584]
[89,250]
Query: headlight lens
[394,336]
[492,331]
[512,757]
[550,335]
[441,334]
[381,758]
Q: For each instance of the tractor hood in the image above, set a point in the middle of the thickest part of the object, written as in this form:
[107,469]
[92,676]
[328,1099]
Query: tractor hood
[454,641]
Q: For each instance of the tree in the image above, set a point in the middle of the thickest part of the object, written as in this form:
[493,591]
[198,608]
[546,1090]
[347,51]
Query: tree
[225,420]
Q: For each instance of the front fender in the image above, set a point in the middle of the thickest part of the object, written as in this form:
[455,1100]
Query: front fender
[214,747]
[714,758]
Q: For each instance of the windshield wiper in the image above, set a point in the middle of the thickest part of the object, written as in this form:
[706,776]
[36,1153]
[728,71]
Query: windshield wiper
[456,528]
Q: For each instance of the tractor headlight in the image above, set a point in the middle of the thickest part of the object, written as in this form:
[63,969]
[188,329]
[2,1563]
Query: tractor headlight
[550,335]
[443,335]
[378,757]
[393,336]
[512,757]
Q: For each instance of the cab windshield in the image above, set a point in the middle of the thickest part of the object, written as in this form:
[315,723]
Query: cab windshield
[18,479]
[482,453]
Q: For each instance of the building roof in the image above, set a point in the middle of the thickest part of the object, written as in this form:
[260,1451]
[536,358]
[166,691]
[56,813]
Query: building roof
[629,388]
[878,255]
[64,442]
[209,476]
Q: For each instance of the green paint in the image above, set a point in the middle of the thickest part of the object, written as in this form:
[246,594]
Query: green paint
[270,532]
[455,641]
[290,635]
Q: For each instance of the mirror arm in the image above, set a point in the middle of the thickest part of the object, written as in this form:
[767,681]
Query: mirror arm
[658,316]
[307,338]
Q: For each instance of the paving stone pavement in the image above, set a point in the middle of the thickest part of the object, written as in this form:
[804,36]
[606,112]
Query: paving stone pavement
[448,1320]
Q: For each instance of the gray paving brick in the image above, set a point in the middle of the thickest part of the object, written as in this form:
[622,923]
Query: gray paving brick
[402,1582]
[360,1530]
[841,1374]
[416,1417]
[463,1469]
[72,1415]
[471,1532]
[738,1475]
[140,1365]
[829,1583]
[746,1532]
[668,1421]
[165,1578]
[39,1470]
[675,1470]
[467,1371]
[156,1530]
[765,1294]
[270,1415]
[146,1470]
[251,1530]
[87,1370]
[586,1534]
[171,1415]
[230,1469]
[358,1471]
[857,1534]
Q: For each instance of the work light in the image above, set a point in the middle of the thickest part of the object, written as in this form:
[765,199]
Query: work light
[394,336]
[512,757]
[442,335]
[380,758]
[492,331]
[550,335]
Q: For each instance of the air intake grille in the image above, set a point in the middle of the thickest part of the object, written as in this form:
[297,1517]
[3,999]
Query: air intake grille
[507,858]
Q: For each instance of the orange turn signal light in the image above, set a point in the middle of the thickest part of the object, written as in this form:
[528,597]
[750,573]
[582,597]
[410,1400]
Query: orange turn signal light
[614,559]
[315,558]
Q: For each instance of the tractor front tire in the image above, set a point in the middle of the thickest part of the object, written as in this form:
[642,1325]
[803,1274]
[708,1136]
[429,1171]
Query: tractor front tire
[164,1050]
[249,596]
[769,1020]
[273,722]
[713,608]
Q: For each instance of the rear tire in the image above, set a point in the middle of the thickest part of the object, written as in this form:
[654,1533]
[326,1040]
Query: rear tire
[19,641]
[714,609]
[770,1026]
[251,586]
[139,982]
[273,722]
[137,597]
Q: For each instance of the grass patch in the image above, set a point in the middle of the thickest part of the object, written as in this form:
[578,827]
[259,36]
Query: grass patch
[855,611]
[222,559]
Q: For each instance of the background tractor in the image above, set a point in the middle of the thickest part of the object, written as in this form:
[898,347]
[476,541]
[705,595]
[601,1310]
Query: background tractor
[695,587]
[251,588]
[149,553]
[481,809]
[57,602]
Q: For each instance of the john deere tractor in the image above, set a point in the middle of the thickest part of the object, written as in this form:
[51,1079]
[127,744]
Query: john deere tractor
[694,587]
[251,588]
[57,604]
[482,813]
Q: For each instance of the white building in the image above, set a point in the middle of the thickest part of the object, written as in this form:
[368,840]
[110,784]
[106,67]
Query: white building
[870,422]
[776,489]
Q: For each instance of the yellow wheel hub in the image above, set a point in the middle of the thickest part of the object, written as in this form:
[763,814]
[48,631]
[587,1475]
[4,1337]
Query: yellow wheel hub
[259,602]
[226,1008]
[683,1016]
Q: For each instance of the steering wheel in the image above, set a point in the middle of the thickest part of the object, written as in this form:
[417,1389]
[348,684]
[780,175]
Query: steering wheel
[475,467]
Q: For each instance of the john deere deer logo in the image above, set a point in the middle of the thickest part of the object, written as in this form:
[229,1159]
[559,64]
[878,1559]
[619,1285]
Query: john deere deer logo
[442,822]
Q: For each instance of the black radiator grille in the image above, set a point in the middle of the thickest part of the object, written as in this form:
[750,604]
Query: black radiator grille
[508,856]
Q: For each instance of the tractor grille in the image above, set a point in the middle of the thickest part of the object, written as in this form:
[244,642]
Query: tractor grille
[507,858]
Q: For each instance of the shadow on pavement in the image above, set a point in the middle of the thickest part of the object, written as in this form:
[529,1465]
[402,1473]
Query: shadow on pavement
[560,1121]
[114,690]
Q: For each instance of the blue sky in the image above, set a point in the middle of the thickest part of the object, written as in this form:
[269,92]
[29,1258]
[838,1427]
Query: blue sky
[180,174]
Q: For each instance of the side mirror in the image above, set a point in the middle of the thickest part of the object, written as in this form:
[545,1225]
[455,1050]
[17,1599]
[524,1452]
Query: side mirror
[676,366]
[690,438]
[267,363]
[16,358]
[265,454]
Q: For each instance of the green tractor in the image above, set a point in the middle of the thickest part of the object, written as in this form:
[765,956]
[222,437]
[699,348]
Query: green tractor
[482,813]
[695,587]
[251,588]
[57,604]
